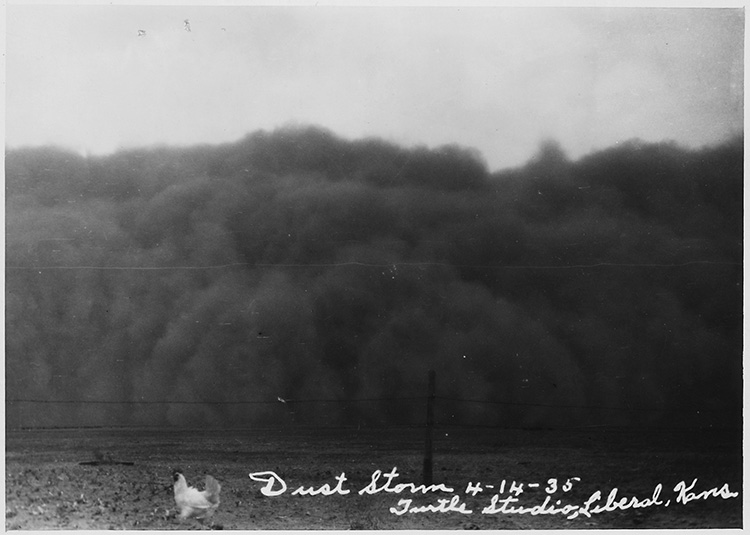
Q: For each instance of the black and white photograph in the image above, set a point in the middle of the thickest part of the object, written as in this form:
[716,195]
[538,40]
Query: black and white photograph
[353,266]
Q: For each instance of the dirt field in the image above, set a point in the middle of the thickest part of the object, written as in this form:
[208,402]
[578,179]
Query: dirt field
[48,488]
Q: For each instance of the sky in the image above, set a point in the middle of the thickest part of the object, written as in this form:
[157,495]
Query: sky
[497,79]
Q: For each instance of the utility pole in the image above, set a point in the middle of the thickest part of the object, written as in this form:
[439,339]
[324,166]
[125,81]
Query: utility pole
[427,468]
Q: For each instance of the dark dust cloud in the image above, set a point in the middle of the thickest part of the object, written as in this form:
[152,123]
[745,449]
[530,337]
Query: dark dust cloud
[297,265]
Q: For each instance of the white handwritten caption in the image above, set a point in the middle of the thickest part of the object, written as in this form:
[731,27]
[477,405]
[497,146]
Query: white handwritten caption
[505,496]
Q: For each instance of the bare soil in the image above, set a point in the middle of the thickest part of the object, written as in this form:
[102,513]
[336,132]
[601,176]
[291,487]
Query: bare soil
[123,483]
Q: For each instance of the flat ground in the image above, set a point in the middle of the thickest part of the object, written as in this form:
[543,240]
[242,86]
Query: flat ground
[48,488]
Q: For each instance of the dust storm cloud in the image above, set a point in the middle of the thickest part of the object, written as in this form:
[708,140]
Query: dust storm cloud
[294,264]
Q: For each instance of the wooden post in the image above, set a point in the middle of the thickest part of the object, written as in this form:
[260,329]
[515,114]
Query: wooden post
[427,469]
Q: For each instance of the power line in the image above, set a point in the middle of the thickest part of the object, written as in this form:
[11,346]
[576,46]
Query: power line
[549,405]
[378,265]
[354,400]
[208,402]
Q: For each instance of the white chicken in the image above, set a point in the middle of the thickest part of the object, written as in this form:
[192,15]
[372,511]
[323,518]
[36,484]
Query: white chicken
[194,503]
